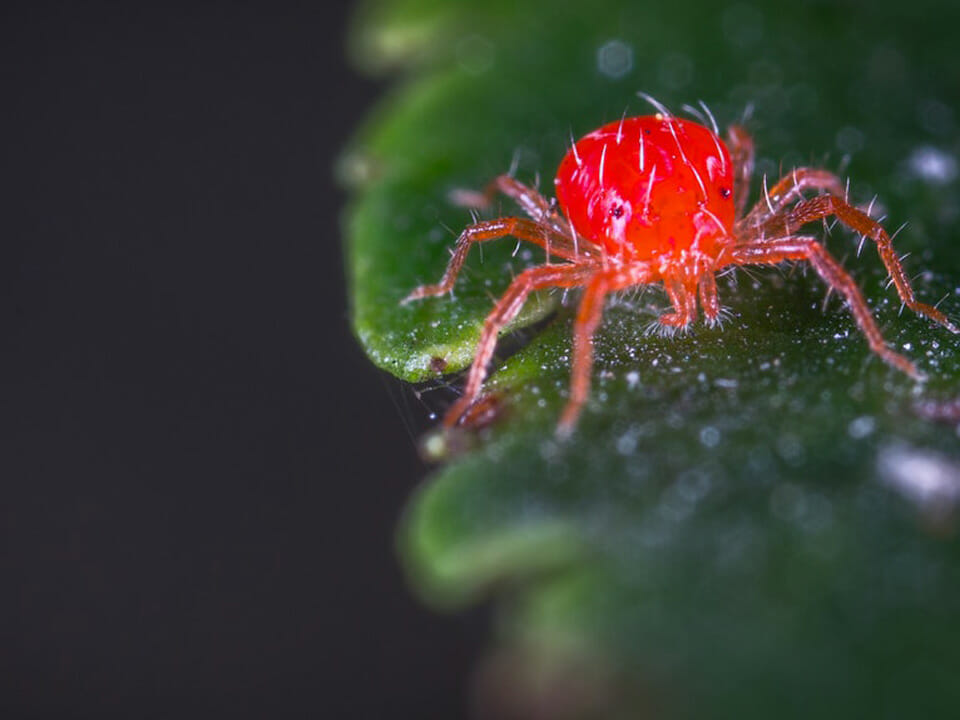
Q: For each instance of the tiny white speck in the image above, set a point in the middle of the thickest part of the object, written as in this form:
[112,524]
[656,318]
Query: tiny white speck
[710,436]
[789,447]
[927,478]
[861,427]
[475,54]
[626,443]
[849,139]
[933,165]
[615,59]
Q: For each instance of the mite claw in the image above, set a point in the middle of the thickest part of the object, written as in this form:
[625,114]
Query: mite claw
[419,293]
[910,369]
[564,430]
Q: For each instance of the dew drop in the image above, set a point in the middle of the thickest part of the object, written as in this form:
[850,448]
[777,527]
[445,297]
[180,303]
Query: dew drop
[615,59]
[710,436]
[475,54]
[932,165]
[861,427]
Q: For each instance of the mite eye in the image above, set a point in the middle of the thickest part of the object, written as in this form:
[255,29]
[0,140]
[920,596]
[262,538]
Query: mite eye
[616,211]
[725,193]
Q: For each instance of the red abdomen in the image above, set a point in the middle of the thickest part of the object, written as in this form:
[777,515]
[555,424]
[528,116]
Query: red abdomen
[649,187]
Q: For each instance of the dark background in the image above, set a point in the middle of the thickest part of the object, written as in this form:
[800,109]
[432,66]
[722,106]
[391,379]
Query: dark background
[201,473]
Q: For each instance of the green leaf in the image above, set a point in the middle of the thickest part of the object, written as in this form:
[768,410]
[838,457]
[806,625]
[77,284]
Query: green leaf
[748,520]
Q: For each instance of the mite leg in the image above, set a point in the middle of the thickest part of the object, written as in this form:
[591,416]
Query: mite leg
[826,205]
[836,278]
[504,311]
[588,317]
[532,202]
[708,297]
[491,230]
[741,153]
[684,304]
[789,188]
[538,207]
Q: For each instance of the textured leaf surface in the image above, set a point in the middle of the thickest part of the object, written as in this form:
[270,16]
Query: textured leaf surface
[748,518]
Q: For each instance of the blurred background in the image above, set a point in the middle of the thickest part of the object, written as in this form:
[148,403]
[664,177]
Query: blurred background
[201,472]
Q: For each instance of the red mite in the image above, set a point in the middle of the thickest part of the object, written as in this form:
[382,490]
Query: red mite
[661,199]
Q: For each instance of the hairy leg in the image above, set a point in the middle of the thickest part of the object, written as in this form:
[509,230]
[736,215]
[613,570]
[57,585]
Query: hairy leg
[789,188]
[836,278]
[507,307]
[532,202]
[684,304]
[709,301]
[538,207]
[588,317]
[787,222]
[490,230]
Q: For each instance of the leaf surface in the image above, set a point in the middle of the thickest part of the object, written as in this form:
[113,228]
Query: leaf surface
[750,518]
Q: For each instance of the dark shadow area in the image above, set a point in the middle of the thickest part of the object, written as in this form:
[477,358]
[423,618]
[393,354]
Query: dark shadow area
[201,472]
